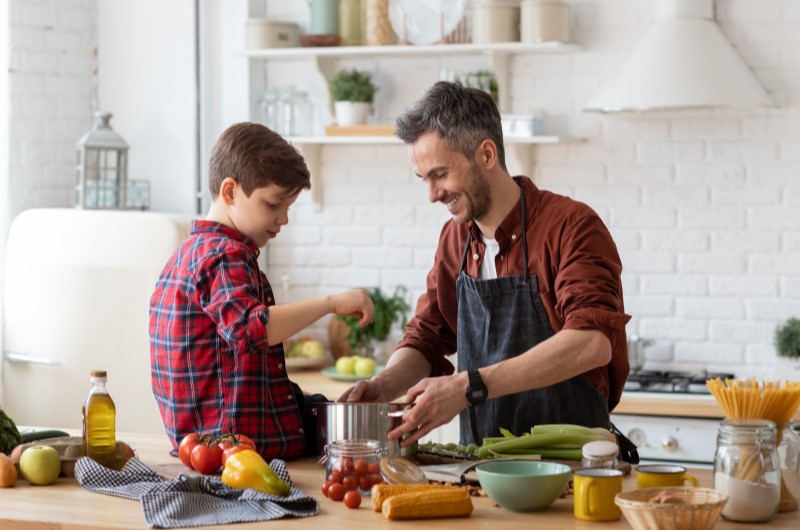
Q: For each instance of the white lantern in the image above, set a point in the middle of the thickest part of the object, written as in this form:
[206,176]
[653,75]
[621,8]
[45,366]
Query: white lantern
[102,170]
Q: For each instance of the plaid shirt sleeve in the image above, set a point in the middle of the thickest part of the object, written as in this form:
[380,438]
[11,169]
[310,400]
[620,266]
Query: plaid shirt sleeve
[212,368]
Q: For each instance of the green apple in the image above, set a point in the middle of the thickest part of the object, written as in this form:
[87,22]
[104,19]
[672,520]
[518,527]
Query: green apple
[313,349]
[364,366]
[40,465]
[346,365]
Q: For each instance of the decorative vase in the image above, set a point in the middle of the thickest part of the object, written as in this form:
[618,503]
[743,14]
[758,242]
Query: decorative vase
[352,112]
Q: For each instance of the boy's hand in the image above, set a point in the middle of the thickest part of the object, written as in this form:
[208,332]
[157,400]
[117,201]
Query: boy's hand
[356,303]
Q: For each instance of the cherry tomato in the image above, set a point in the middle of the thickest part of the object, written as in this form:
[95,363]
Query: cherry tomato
[206,458]
[325,487]
[364,483]
[352,499]
[374,469]
[350,482]
[375,478]
[335,476]
[361,467]
[336,492]
[188,443]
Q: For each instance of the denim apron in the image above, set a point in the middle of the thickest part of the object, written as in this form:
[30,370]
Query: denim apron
[501,318]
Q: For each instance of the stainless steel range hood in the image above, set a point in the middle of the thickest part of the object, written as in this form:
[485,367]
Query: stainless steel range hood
[683,62]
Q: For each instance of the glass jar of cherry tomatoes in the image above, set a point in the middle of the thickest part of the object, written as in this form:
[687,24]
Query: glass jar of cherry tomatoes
[353,464]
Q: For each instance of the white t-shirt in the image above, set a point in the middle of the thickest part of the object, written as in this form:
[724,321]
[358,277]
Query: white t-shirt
[488,269]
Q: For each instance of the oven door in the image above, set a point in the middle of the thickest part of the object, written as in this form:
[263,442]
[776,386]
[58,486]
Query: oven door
[674,439]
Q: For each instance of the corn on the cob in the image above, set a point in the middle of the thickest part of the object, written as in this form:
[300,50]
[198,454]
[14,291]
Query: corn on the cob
[381,492]
[445,502]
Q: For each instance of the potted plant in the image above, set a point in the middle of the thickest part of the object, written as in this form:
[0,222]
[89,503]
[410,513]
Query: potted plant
[787,339]
[353,93]
[353,339]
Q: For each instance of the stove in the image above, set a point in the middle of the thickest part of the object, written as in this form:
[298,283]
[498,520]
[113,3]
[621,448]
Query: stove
[674,438]
[670,382]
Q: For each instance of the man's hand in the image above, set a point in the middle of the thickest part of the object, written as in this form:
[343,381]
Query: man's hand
[437,400]
[364,390]
[355,303]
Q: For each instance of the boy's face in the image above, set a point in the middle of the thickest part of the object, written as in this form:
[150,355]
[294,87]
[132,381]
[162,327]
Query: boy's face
[261,215]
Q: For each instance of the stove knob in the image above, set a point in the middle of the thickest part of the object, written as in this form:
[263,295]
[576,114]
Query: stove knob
[669,444]
[638,437]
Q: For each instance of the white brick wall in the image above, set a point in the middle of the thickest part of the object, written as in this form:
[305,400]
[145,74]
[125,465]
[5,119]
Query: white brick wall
[703,204]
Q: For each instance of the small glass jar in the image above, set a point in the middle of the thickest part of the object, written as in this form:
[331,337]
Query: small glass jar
[747,469]
[354,463]
[789,456]
[600,454]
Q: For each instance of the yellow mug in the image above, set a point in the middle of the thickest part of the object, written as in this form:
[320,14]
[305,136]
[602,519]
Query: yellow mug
[663,475]
[594,492]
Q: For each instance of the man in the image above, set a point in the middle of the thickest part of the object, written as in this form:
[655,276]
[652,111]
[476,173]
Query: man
[525,286]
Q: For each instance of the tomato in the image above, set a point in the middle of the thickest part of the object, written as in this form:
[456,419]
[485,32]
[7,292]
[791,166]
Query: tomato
[374,468]
[188,443]
[206,458]
[335,476]
[243,439]
[325,488]
[365,483]
[361,467]
[336,492]
[235,440]
[350,482]
[232,450]
[352,499]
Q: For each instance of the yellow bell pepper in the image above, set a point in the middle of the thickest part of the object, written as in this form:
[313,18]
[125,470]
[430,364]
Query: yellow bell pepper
[246,469]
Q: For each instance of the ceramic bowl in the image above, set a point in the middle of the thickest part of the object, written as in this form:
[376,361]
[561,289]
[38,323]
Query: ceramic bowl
[523,485]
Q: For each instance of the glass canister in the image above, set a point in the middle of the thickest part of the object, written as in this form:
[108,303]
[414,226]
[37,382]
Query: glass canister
[355,464]
[747,469]
[302,115]
[600,454]
[377,30]
[350,22]
[789,456]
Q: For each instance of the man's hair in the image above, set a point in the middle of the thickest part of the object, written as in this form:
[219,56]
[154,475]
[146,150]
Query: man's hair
[255,157]
[463,117]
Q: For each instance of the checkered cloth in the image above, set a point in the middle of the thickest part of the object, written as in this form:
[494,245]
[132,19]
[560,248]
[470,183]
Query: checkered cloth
[192,500]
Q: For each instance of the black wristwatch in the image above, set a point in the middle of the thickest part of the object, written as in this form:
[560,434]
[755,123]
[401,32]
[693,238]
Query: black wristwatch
[476,391]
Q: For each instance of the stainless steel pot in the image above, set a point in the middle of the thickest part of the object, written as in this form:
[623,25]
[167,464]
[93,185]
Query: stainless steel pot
[348,421]
[636,346]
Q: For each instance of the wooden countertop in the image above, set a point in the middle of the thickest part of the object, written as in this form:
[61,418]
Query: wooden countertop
[66,506]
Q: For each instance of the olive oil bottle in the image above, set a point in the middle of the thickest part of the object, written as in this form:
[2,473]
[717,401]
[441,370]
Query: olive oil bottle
[99,422]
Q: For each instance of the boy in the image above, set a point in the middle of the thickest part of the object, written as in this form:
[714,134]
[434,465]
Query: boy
[216,335]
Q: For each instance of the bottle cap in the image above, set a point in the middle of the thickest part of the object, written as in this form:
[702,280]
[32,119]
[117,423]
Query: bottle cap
[97,374]
[398,470]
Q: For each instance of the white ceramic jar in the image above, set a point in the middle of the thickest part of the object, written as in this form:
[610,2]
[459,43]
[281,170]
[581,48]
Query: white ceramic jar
[544,21]
[496,21]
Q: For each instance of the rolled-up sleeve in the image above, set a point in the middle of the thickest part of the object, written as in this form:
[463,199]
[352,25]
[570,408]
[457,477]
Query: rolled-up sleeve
[235,306]
[588,286]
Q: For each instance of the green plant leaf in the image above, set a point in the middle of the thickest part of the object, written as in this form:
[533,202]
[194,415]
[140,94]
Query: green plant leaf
[787,339]
[353,85]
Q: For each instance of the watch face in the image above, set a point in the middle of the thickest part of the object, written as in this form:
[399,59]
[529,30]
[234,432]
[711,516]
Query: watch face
[477,394]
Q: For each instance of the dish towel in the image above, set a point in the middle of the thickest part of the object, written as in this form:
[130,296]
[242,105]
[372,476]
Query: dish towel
[186,501]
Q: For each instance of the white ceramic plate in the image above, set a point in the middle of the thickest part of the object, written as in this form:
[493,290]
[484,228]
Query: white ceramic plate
[426,21]
[336,376]
[300,363]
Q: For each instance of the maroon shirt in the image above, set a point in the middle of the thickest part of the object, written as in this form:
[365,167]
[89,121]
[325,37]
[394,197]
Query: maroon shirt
[575,260]
[213,370]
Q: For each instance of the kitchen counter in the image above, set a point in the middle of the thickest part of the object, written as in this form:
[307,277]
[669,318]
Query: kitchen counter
[66,506]
[639,403]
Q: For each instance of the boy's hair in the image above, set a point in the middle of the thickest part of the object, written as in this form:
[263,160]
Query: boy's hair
[462,116]
[255,157]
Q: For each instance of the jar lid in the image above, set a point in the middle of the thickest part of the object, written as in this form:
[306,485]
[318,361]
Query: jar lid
[399,470]
[600,449]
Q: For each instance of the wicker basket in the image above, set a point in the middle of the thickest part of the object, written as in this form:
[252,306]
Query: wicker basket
[672,508]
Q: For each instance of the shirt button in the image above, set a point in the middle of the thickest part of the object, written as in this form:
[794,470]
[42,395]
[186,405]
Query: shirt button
[291,397]
[300,430]
[475,256]
[280,366]
[513,237]
[269,299]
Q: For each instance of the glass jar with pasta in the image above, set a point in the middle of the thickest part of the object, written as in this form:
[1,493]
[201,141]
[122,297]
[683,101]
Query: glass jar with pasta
[747,469]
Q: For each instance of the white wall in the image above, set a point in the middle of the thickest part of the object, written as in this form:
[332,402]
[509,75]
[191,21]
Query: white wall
[703,205]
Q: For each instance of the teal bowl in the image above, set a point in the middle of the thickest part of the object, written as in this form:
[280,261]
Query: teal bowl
[523,485]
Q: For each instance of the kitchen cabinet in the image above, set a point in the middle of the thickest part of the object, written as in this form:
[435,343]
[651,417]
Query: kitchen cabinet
[325,61]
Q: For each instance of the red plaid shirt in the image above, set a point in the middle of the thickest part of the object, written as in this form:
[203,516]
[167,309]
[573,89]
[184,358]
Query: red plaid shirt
[212,368]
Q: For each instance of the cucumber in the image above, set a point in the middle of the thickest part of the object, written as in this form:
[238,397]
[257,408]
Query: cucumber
[32,436]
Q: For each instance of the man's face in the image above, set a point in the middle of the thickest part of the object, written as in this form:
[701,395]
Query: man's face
[452,179]
[261,215]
